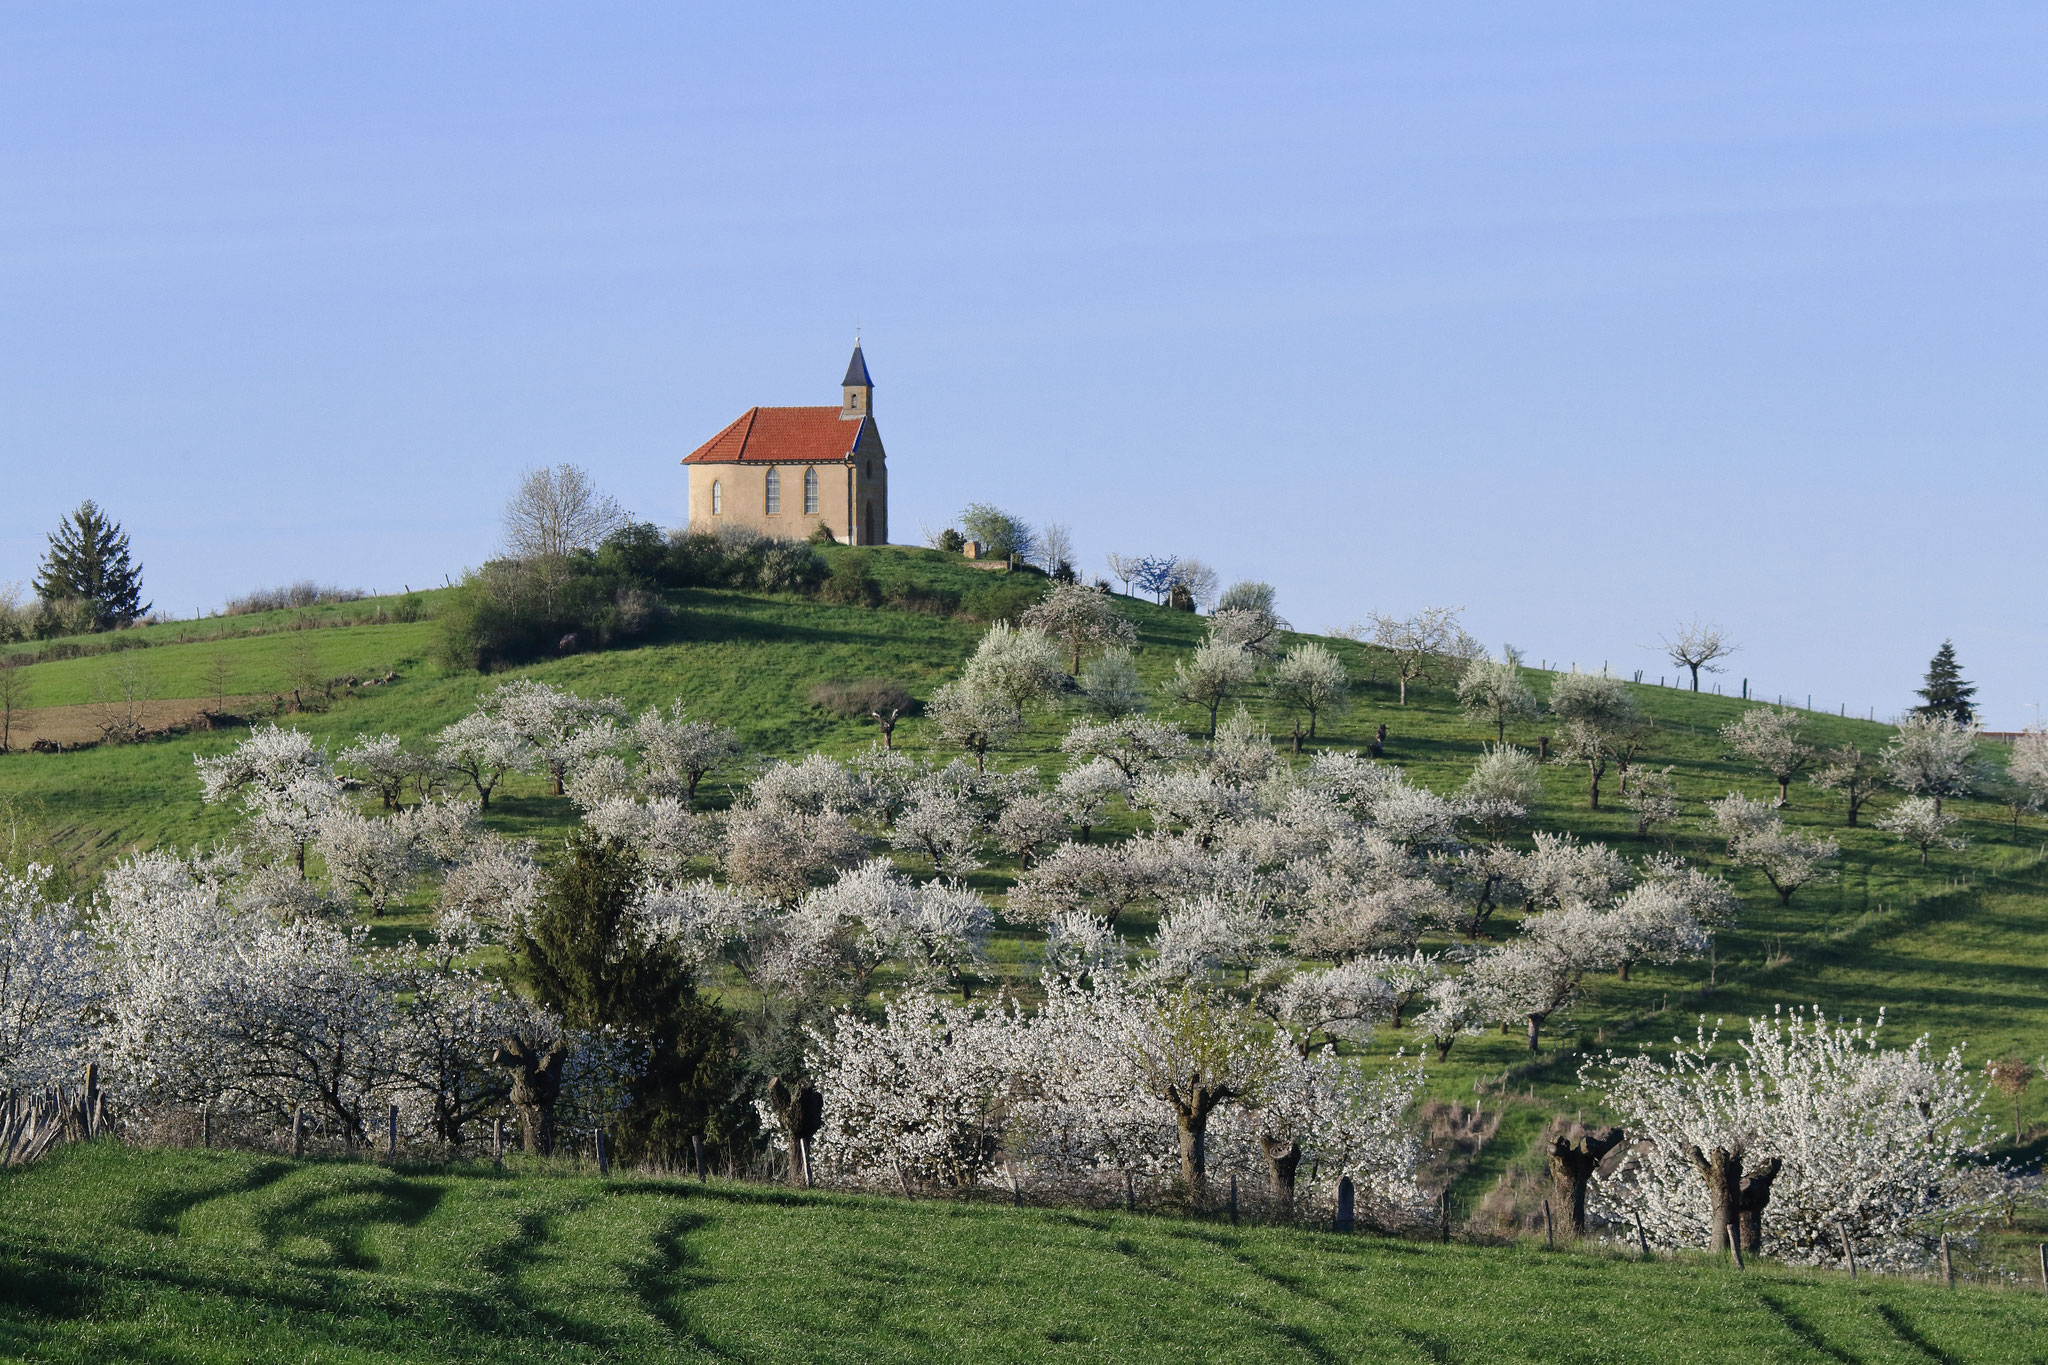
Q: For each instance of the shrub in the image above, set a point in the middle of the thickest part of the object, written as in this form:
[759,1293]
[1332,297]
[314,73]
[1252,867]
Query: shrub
[951,541]
[823,535]
[930,601]
[1001,535]
[633,554]
[789,566]
[736,557]
[1006,598]
[409,608]
[304,593]
[65,616]
[850,699]
[851,583]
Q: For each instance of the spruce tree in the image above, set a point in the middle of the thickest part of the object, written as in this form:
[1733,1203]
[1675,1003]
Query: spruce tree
[88,562]
[1945,693]
[586,955]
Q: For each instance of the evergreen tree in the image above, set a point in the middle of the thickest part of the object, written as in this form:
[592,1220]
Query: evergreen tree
[88,562]
[585,955]
[1945,693]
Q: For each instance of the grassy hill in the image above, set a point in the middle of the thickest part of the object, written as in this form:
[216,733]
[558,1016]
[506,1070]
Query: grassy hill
[1957,949]
[110,1253]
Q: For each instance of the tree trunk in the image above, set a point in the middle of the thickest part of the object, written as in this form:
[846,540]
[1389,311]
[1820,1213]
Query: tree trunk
[1593,799]
[1722,1172]
[1756,1193]
[1621,970]
[536,1081]
[1784,791]
[801,1112]
[1572,1163]
[1283,1159]
[1443,1046]
[1535,1028]
[1191,1112]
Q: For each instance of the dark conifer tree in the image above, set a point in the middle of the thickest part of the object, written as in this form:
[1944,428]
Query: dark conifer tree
[88,561]
[586,956]
[1945,693]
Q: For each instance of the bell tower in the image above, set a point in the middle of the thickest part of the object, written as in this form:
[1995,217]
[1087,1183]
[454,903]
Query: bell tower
[857,389]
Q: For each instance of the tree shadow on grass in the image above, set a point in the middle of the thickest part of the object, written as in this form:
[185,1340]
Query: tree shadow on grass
[327,1218]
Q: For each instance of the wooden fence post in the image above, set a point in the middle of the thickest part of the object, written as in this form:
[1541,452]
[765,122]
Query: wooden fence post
[205,1126]
[697,1149]
[1131,1200]
[803,1147]
[1735,1245]
[1346,1206]
[1549,1232]
[2044,1267]
[391,1131]
[1948,1267]
[1233,1196]
[1642,1238]
[298,1130]
[604,1156]
[1848,1247]
[1444,1216]
[498,1143]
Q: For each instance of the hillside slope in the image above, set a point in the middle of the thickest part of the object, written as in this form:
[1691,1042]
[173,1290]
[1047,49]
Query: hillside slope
[110,1253]
[1955,949]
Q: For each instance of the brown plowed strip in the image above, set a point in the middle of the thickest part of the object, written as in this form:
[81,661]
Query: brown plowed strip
[77,724]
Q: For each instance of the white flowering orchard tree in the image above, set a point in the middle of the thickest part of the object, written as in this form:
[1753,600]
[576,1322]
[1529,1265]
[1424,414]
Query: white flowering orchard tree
[1134,744]
[1811,1137]
[1773,738]
[1932,756]
[1081,619]
[285,785]
[1215,672]
[677,753]
[1920,822]
[481,749]
[1758,838]
[1493,692]
[50,986]
[383,764]
[1309,683]
[560,731]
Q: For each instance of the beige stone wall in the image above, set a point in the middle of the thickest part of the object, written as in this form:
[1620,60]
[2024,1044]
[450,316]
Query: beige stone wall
[845,490]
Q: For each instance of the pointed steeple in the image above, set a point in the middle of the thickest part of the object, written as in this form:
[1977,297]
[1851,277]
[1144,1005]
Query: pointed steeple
[858,388]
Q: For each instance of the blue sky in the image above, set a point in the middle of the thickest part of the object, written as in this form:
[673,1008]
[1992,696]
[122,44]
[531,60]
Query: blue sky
[1587,317]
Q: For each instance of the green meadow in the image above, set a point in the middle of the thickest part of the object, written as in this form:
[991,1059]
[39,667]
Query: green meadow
[116,1254]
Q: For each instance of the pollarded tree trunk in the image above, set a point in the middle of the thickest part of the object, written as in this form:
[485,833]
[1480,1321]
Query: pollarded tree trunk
[1192,1106]
[1756,1193]
[1721,1170]
[1536,1029]
[536,1082]
[801,1112]
[1572,1163]
[1283,1159]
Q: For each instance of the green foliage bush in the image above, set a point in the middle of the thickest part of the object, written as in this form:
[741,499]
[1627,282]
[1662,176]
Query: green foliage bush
[852,583]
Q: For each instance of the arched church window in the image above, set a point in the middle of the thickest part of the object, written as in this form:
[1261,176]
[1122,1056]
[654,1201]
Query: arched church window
[810,492]
[717,497]
[774,491]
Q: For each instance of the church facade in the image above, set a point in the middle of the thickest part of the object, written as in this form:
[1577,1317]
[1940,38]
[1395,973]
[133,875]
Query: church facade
[784,471]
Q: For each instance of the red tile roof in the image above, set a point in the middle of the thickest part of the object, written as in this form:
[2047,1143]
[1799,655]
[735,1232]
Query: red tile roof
[782,436]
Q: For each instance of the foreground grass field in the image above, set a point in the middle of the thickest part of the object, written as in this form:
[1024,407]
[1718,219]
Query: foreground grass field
[116,1254]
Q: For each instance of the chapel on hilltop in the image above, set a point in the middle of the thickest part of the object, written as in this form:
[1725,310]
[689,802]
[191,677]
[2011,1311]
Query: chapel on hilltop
[782,471]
